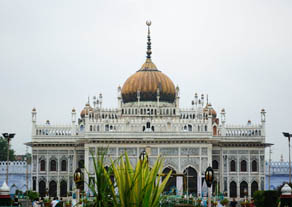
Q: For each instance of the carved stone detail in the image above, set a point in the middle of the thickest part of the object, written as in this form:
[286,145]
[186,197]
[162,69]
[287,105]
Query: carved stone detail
[190,151]
[168,151]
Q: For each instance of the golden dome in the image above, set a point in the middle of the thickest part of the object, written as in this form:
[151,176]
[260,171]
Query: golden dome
[85,110]
[147,81]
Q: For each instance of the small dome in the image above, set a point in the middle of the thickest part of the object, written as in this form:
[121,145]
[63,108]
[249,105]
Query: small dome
[33,109]
[85,110]
[73,110]
[286,190]
[4,190]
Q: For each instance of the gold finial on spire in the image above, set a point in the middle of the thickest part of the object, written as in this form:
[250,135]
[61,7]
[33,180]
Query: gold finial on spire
[149,52]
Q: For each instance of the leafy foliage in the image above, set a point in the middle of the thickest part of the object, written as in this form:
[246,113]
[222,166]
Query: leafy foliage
[102,187]
[3,151]
[142,186]
[137,187]
[32,195]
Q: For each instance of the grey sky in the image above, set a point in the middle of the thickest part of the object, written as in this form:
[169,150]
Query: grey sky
[53,54]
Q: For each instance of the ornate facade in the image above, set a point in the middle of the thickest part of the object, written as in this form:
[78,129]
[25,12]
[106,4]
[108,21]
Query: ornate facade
[149,118]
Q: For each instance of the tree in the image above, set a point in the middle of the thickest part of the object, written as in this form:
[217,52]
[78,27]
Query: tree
[3,151]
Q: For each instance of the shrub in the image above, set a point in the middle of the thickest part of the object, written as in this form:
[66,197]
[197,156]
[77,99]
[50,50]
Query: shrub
[259,198]
[270,197]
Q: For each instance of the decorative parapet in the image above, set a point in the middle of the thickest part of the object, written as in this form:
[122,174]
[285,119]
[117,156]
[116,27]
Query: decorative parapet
[241,131]
[48,130]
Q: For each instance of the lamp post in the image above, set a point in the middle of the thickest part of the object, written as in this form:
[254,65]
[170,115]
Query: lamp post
[288,135]
[209,177]
[78,179]
[8,137]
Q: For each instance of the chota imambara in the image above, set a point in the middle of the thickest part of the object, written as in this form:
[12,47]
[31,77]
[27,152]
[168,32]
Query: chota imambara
[148,118]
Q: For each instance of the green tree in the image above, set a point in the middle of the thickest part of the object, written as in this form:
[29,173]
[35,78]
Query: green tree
[3,151]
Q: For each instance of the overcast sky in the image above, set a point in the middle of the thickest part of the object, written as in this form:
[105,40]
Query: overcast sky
[54,54]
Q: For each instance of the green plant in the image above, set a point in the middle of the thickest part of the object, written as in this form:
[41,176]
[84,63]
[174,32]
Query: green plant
[101,186]
[32,195]
[224,201]
[259,198]
[139,187]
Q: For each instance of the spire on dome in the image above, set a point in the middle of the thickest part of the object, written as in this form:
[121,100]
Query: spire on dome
[149,52]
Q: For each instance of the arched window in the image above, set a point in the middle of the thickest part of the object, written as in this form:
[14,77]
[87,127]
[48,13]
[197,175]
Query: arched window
[171,183]
[206,128]
[148,125]
[233,189]
[42,188]
[254,166]
[243,189]
[215,164]
[190,180]
[53,165]
[243,166]
[64,165]
[190,128]
[232,166]
[52,189]
[63,188]
[254,187]
[43,165]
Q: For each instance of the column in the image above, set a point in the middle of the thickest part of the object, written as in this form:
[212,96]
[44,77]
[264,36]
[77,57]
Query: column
[86,165]
[179,184]
[37,171]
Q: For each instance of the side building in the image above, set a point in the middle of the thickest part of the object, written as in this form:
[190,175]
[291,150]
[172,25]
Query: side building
[148,117]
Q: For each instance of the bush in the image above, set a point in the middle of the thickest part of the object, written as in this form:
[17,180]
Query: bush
[265,198]
[271,198]
[32,195]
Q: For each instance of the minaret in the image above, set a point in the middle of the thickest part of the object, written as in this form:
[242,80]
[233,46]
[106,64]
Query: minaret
[100,100]
[73,119]
[33,119]
[223,120]
[263,120]
[177,97]
[119,97]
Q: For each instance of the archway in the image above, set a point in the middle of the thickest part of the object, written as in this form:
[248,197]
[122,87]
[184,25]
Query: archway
[254,187]
[243,187]
[233,190]
[63,188]
[42,188]
[171,183]
[190,181]
[52,189]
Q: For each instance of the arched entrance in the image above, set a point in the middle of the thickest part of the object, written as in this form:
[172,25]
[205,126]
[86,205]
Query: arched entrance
[171,183]
[42,188]
[243,187]
[190,181]
[254,187]
[233,189]
[52,189]
[63,188]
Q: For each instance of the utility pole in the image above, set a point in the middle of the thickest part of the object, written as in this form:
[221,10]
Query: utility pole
[270,161]
[26,173]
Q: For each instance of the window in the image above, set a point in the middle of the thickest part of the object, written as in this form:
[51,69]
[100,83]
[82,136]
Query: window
[243,189]
[232,166]
[243,166]
[254,187]
[53,165]
[64,165]
[215,165]
[254,166]
[43,165]
[233,189]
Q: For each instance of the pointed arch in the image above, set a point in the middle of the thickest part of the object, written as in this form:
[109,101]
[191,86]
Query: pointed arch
[42,188]
[53,189]
[254,187]
[63,188]
[233,189]
[171,183]
[190,180]
[243,166]
[243,189]
[232,166]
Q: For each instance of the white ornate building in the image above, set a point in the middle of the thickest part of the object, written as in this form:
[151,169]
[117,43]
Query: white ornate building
[148,118]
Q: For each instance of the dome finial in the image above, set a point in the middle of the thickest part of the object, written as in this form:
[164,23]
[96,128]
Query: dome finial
[149,52]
